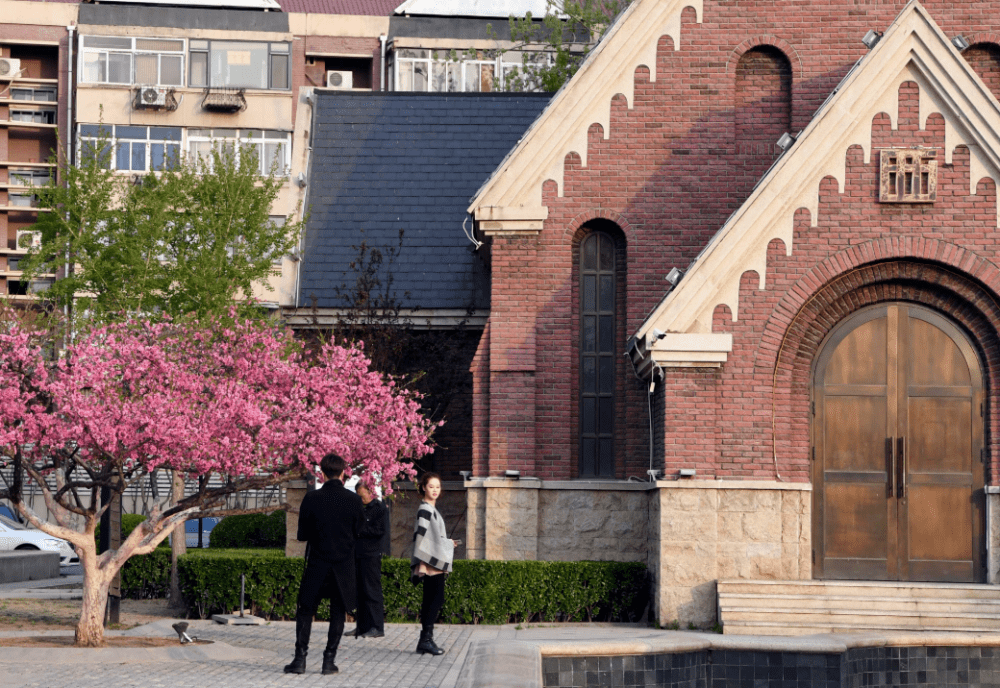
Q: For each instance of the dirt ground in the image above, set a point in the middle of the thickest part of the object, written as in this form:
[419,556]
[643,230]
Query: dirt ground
[56,615]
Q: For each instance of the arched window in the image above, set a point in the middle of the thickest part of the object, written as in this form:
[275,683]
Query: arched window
[598,359]
[763,101]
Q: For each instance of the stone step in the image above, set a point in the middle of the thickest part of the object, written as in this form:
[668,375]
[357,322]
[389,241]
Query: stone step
[808,607]
[862,589]
[951,605]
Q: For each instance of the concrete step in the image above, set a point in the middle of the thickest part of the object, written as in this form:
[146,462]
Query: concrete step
[807,607]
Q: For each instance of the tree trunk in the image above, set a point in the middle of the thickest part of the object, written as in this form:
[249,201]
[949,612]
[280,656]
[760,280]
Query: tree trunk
[90,627]
[178,546]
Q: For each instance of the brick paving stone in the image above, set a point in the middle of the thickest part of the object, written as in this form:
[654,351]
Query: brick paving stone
[388,661]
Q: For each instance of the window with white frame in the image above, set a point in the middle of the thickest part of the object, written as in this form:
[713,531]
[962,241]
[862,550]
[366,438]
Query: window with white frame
[128,60]
[133,149]
[240,64]
[455,70]
[273,148]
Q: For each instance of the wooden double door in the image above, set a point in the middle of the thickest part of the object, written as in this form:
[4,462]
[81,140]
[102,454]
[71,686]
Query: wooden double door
[897,438]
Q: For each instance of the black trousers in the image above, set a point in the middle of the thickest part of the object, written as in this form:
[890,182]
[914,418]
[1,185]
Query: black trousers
[371,603]
[433,601]
[317,581]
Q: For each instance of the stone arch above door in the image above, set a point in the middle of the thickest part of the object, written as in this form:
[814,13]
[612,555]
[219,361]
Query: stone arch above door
[897,438]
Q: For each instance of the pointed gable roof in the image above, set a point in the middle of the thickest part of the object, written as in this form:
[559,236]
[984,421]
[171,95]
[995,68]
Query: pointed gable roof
[514,191]
[913,48]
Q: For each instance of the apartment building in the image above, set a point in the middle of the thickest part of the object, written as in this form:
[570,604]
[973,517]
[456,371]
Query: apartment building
[34,116]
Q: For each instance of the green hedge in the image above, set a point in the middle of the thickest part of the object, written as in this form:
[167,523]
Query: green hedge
[249,531]
[147,576]
[477,592]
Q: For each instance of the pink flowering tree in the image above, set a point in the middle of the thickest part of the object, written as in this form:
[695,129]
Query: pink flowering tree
[235,399]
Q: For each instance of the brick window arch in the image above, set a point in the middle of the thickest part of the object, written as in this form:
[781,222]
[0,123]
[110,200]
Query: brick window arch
[763,101]
[597,308]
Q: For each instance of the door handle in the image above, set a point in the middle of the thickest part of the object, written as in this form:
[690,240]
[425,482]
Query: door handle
[890,485]
[900,468]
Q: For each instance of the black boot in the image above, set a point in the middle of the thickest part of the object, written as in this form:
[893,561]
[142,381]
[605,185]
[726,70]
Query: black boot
[303,629]
[426,645]
[298,665]
[328,666]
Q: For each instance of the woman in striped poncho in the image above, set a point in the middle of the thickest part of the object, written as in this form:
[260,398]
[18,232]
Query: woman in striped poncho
[432,556]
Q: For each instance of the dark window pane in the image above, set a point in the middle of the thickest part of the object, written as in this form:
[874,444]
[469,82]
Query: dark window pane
[606,420]
[130,132]
[139,157]
[588,420]
[94,130]
[607,459]
[607,334]
[173,154]
[589,333]
[589,375]
[588,460]
[165,133]
[589,294]
[590,253]
[122,156]
[279,71]
[607,366]
[607,254]
[607,292]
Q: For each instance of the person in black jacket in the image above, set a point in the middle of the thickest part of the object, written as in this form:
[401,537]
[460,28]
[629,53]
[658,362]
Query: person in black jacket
[368,557]
[330,521]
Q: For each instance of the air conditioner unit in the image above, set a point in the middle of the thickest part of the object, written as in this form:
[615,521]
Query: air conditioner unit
[28,239]
[340,80]
[9,68]
[152,96]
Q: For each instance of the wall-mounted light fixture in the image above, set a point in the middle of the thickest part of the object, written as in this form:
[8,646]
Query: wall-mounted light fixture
[786,141]
[872,38]
[515,475]
[687,472]
[653,474]
[960,42]
[465,474]
[674,276]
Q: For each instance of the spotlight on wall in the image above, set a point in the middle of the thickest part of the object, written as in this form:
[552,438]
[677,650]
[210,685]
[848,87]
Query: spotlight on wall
[687,472]
[465,474]
[786,141]
[653,474]
[516,475]
[872,38]
[674,276]
[960,42]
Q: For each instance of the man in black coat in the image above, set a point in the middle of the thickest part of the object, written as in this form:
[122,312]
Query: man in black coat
[368,555]
[330,521]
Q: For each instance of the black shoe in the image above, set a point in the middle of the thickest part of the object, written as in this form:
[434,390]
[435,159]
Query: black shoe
[426,645]
[298,665]
[352,634]
[372,633]
[328,666]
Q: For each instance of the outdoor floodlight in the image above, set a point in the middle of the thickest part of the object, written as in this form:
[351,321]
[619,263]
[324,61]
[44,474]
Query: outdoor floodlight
[653,474]
[960,42]
[465,474]
[687,472]
[674,276]
[516,475]
[181,628]
[871,38]
[786,141]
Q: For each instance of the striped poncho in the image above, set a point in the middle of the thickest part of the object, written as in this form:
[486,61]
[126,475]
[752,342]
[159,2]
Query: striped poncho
[431,545]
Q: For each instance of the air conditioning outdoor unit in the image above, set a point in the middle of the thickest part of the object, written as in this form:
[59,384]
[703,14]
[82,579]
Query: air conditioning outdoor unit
[152,96]
[28,239]
[9,67]
[340,80]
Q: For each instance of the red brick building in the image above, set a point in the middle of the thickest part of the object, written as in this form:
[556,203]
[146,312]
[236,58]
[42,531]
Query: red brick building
[818,391]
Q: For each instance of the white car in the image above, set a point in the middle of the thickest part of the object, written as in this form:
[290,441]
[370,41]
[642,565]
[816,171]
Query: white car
[14,536]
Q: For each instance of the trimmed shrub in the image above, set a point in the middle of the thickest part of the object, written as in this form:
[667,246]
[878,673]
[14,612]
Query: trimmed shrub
[147,576]
[249,531]
[477,592]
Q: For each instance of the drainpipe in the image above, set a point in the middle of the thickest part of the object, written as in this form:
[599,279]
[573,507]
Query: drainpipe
[311,100]
[69,131]
[382,39]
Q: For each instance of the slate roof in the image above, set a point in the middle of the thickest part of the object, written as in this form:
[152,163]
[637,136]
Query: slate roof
[387,161]
[372,8]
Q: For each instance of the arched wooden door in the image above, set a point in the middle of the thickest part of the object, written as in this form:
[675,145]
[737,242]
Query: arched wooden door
[898,435]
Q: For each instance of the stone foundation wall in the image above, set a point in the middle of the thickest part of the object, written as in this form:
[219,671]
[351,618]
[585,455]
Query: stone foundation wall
[714,529]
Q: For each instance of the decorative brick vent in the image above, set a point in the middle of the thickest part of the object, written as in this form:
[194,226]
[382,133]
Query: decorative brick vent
[908,175]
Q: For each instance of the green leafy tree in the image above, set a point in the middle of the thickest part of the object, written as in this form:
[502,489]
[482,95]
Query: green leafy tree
[553,49]
[189,239]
